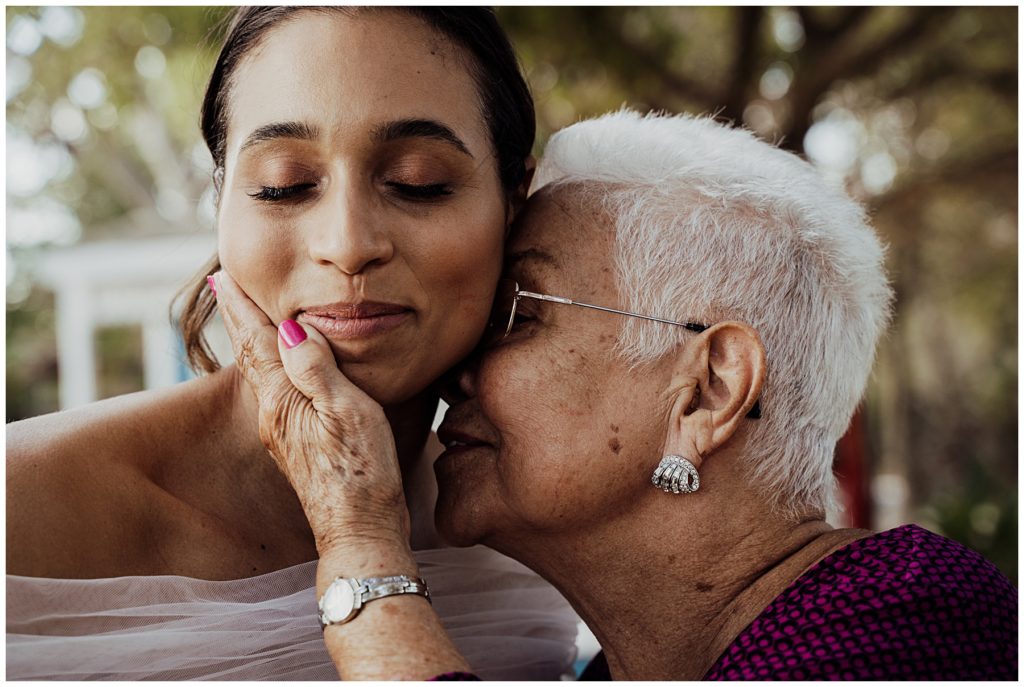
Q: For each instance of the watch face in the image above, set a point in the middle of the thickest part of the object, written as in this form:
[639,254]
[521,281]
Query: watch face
[338,602]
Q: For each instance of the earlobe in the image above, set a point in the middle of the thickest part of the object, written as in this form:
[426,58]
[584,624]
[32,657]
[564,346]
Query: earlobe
[718,379]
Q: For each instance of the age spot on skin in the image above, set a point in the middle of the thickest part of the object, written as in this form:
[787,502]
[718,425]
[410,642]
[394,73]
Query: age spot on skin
[704,587]
[359,473]
[615,428]
[614,445]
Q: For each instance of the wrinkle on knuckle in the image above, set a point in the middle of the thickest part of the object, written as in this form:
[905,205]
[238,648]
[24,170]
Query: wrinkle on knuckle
[279,416]
[307,374]
[246,355]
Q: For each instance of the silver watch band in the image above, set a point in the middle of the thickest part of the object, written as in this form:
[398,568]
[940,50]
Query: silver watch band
[379,587]
[345,597]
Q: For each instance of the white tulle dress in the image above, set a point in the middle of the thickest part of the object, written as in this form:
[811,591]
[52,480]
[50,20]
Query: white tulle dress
[506,621]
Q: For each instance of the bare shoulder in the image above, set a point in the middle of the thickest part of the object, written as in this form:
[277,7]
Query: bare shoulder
[80,489]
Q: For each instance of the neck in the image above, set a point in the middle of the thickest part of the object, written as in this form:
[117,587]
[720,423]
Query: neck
[410,420]
[410,424]
[665,598]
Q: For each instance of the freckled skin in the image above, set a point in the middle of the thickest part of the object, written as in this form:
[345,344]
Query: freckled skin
[650,572]
[547,390]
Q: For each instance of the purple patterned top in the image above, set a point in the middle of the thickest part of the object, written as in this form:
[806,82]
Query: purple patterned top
[455,675]
[905,604]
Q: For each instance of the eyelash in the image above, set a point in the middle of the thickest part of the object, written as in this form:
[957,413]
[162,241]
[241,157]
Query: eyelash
[423,193]
[521,318]
[277,194]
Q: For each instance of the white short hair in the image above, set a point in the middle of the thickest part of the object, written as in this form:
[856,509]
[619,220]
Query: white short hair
[713,224]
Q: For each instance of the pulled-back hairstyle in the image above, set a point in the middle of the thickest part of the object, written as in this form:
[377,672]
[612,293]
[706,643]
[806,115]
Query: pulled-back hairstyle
[713,224]
[506,104]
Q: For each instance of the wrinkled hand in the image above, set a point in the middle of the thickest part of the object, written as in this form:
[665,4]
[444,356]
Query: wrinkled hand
[331,440]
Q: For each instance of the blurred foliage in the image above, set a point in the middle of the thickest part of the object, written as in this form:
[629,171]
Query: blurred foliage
[913,109]
[31,357]
[119,352]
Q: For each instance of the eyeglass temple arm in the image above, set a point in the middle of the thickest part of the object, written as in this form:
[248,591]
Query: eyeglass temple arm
[568,301]
[755,411]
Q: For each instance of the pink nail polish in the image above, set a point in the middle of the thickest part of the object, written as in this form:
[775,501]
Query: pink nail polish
[292,333]
[211,282]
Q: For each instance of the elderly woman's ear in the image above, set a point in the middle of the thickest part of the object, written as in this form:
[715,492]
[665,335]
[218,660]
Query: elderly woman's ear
[717,380]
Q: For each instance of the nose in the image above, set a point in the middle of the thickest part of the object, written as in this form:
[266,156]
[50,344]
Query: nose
[459,384]
[350,233]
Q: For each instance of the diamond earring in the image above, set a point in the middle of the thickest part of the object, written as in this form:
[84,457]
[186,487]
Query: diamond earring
[676,474]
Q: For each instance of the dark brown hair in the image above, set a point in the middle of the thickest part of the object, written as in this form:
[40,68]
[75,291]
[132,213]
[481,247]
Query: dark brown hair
[507,109]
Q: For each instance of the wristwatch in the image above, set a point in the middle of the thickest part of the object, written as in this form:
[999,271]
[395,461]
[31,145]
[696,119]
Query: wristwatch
[346,596]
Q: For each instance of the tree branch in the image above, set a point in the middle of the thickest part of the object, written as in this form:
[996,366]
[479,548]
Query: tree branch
[846,59]
[654,64]
[747,28]
[981,169]
[942,70]
[851,23]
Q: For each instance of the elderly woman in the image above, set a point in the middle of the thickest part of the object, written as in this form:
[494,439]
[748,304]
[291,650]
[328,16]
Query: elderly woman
[688,324]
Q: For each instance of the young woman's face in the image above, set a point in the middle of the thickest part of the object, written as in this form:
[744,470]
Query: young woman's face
[361,193]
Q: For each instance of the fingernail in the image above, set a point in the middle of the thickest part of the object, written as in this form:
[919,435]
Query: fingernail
[212,283]
[292,333]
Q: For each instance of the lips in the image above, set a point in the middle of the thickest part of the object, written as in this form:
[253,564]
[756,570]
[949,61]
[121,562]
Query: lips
[347,321]
[355,311]
[456,440]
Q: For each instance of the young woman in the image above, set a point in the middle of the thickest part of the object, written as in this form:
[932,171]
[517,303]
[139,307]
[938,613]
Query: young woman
[368,163]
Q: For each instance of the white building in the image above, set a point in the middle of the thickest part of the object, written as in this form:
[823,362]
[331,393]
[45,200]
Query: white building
[123,282]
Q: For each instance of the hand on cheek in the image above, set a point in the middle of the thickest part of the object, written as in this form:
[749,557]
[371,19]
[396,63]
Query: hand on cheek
[331,440]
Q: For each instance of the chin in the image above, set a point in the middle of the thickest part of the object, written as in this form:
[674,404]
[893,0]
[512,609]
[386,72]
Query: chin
[457,518]
[454,535]
[383,382]
[391,376]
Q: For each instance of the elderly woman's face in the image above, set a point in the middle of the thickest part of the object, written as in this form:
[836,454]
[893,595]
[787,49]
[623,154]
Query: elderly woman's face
[361,193]
[560,431]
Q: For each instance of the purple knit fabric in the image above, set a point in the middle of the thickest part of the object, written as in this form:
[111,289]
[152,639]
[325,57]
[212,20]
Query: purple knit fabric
[905,604]
[455,675]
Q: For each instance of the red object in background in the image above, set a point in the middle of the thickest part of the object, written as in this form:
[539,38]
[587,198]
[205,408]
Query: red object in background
[851,468]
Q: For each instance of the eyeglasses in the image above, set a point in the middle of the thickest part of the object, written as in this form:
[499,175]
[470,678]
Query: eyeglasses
[506,300]
[507,297]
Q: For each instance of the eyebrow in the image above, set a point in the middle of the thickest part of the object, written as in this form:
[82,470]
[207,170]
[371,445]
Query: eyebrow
[419,128]
[391,131]
[534,254]
[268,132]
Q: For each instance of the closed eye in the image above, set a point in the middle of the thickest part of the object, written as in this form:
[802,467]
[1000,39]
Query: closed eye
[420,192]
[524,314]
[273,194]
[520,319]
